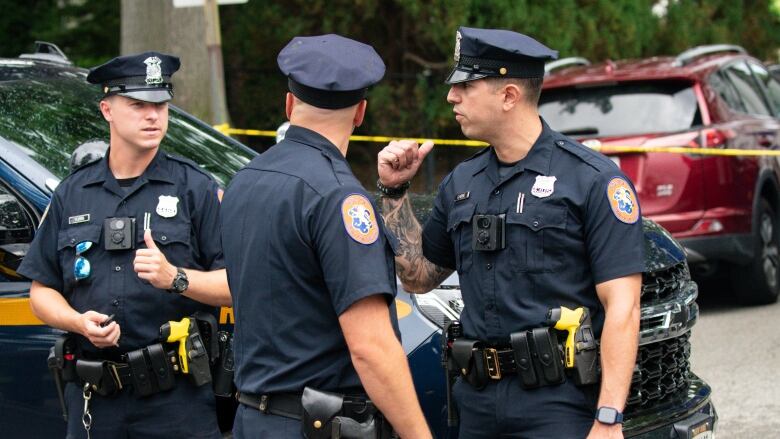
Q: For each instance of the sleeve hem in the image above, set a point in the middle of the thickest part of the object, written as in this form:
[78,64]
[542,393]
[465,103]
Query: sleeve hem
[362,293]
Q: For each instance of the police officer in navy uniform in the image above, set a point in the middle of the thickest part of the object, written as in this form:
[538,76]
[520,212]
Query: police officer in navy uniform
[309,262]
[165,264]
[572,237]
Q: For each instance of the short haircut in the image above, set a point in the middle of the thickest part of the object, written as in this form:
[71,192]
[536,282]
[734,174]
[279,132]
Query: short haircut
[532,87]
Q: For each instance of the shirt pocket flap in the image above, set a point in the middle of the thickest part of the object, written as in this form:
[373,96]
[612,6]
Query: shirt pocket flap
[461,213]
[540,216]
[74,235]
[165,234]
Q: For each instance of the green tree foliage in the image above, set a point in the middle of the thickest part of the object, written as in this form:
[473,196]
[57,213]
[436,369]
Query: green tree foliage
[414,37]
[86,30]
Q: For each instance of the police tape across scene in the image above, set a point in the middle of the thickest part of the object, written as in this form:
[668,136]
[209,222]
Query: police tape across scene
[606,149]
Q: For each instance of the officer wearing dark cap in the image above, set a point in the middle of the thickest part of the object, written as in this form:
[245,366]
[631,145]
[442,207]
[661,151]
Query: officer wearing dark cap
[130,242]
[534,222]
[310,265]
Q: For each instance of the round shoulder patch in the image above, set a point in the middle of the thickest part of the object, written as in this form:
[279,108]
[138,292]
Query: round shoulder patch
[623,200]
[359,219]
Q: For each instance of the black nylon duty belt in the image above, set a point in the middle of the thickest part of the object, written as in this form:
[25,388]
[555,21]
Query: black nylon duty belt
[280,404]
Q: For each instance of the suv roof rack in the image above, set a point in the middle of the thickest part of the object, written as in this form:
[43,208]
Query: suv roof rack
[695,52]
[45,51]
[565,62]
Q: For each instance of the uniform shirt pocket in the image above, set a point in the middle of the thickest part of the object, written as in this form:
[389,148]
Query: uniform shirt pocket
[536,236]
[67,240]
[459,228]
[174,239]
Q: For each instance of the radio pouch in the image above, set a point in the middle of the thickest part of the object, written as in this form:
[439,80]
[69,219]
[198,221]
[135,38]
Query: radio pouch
[470,369]
[319,409]
[98,376]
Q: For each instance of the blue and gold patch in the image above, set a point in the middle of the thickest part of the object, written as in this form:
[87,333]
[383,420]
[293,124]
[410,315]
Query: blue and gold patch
[359,219]
[622,200]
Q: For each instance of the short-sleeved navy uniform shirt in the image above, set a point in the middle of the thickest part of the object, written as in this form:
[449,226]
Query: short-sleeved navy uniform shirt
[567,229]
[184,224]
[302,243]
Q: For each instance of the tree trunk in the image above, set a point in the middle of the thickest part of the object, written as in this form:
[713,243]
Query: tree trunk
[157,25]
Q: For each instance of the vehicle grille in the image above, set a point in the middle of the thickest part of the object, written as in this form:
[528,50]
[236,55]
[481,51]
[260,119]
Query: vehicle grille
[662,372]
[663,284]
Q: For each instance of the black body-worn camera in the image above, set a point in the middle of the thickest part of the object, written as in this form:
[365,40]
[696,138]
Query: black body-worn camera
[488,232]
[119,233]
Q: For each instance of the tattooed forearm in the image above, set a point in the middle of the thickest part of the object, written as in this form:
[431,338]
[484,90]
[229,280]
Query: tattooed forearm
[417,274]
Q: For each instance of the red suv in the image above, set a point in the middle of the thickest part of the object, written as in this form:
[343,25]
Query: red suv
[724,209]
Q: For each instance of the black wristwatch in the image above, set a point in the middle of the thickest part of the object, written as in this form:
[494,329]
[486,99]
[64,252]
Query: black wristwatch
[392,192]
[180,282]
[609,416]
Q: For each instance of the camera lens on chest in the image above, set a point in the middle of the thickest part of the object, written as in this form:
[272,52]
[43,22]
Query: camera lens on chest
[117,224]
[119,233]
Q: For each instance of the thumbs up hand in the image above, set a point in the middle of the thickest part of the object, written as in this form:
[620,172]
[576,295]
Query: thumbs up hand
[151,265]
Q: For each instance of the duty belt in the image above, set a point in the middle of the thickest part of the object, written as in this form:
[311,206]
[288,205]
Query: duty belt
[280,404]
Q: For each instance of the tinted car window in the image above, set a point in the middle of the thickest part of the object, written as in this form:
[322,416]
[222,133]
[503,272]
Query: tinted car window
[770,85]
[726,91]
[619,109]
[747,88]
[49,118]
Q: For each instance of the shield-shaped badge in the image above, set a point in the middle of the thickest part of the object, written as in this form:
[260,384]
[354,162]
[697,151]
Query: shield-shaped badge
[457,46]
[166,208]
[543,186]
[153,70]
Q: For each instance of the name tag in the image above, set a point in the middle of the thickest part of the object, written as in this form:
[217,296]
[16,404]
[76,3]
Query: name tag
[463,196]
[78,219]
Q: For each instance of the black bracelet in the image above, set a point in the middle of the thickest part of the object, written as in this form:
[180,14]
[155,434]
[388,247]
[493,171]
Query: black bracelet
[393,192]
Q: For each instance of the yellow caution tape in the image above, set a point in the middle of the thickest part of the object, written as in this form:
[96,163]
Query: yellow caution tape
[606,149]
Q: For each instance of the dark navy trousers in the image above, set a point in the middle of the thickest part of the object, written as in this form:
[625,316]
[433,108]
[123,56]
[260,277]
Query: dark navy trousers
[504,410]
[184,411]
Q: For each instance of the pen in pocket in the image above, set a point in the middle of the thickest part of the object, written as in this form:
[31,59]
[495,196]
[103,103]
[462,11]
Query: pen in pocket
[520,202]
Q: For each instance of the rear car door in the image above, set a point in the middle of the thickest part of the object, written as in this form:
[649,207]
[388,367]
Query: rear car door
[26,387]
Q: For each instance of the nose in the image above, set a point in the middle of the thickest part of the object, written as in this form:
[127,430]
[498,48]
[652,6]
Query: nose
[452,95]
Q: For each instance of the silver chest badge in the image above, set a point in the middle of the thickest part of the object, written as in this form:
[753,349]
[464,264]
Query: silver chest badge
[543,186]
[457,46]
[166,208]
[153,70]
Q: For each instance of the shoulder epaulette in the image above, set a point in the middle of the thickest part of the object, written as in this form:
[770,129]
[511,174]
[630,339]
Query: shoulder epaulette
[595,159]
[189,163]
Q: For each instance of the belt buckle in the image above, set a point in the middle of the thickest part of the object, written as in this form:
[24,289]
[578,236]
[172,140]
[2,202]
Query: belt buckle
[115,374]
[491,364]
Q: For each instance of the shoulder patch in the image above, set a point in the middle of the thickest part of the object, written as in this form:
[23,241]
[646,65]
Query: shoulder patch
[359,219]
[622,200]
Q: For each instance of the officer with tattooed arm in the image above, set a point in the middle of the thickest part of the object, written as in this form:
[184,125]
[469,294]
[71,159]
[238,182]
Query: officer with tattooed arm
[532,223]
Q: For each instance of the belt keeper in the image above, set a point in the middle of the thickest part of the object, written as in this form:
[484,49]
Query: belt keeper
[263,406]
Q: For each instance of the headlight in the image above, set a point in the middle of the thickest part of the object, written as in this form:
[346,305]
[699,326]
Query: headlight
[440,305]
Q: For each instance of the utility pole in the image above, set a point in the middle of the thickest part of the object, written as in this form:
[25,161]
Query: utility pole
[218,101]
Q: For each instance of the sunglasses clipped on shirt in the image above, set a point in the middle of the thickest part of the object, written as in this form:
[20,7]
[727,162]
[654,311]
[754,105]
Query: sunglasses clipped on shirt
[81,268]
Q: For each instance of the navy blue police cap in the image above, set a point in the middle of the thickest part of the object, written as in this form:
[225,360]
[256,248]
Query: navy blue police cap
[144,76]
[482,53]
[330,71]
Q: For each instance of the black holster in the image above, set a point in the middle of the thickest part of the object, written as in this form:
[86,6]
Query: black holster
[62,365]
[224,368]
[332,415]
[467,360]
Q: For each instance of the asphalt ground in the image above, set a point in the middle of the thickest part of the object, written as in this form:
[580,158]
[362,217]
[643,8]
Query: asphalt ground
[736,349]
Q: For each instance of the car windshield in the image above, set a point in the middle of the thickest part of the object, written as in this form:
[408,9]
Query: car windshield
[50,117]
[621,109]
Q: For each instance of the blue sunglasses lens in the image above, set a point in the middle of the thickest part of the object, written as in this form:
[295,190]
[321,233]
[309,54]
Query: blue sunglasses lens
[82,268]
[83,246]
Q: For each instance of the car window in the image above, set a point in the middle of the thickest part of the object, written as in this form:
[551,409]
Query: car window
[49,117]
[620,109]
[16,233]
[747,88]
[771,87]
[726,91]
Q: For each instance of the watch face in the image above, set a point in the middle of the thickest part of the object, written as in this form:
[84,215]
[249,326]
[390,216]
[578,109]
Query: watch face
[607,415]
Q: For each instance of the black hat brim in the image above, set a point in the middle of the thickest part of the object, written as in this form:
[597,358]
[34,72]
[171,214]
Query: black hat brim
[458,76]
[153,96]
